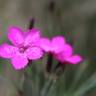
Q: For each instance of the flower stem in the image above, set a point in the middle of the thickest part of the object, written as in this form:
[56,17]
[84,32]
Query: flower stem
[49,63]
[51,6]
[59,68]
[31,25]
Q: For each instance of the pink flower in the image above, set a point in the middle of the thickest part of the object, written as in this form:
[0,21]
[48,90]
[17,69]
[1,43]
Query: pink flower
[25,46]
[60,50]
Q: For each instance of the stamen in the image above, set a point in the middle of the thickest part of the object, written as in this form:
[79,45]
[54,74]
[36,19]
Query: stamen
[22,49]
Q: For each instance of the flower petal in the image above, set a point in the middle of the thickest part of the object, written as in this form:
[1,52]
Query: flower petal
[32,38]
[45,44]
[74,59]
[7,51]
[58,44]
[15,35]
[67,52]
[19,61]
[34,53]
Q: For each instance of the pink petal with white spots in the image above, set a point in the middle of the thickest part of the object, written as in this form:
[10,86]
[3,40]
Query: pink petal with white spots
[7,51]
[32,38]
[34,53]
[45,44]
[75,59]
[57,44]
[19,61]
[15,35]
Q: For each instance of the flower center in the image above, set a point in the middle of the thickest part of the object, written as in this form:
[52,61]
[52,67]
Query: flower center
[22,49]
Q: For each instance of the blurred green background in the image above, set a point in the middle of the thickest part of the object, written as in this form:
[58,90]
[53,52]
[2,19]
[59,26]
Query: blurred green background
[74,19]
